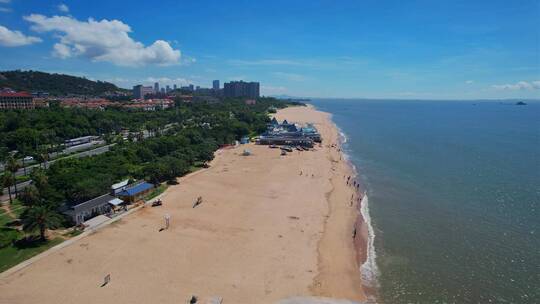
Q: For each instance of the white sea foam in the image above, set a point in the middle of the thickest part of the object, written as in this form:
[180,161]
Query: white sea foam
[369,270]
[343,137]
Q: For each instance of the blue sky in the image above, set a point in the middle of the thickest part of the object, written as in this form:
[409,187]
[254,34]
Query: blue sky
[370,49]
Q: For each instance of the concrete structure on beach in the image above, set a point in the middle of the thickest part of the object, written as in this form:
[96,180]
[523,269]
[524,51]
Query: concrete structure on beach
[286,133]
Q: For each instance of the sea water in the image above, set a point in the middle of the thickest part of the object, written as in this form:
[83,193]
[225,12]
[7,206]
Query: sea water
[454,197]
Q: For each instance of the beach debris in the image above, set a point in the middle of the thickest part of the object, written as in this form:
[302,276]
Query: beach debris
[283,152]
[106,280]
[292,217]
[157,203]
[193,300]
[167,218]
[198,202]
[246,152]
[215,300]
[286,148]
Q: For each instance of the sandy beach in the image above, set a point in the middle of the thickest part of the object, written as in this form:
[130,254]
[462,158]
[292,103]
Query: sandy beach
[270,227]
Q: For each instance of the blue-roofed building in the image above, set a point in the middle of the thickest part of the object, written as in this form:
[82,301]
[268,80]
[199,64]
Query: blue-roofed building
[135,192]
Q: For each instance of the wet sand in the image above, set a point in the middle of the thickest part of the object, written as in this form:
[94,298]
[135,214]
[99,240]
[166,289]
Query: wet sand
[270,227]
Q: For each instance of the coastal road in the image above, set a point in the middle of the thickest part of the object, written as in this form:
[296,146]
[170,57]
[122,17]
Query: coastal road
[20,186]
[92,152]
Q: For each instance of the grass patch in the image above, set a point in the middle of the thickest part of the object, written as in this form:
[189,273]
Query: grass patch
[5,218]
[73,233]
[17,208]
[22,178]
[157,191]
[15,253]
[198,165]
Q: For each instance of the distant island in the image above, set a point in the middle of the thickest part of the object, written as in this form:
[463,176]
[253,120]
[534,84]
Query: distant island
[521,103]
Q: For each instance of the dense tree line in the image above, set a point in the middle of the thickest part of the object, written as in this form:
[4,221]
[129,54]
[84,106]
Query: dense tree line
[54,84]
[26,131]
[201,128]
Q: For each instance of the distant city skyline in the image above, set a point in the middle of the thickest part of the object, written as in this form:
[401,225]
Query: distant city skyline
[345,49]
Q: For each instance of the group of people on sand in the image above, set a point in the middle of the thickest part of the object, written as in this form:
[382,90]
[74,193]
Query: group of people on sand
[301,173]
[352,182]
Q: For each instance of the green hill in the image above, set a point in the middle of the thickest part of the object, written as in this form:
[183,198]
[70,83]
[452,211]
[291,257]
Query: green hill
[54,84]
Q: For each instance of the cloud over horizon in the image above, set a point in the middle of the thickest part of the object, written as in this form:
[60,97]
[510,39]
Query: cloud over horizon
[521,85]
[104,41]
[9,38]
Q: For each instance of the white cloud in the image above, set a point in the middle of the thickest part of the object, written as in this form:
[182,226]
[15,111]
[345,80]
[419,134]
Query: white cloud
[289,76]
[105,41]
[5,1]
[5,10]
[63,8]
[237,78]
[163,81]
[469,81]
[61,50]
[15,38]
[522,85]
[264,62]
[273,90]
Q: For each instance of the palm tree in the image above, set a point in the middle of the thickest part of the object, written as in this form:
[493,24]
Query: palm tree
[30,196]
[39,179]
[40,217]
[13,166]
[43,157]
[7,181]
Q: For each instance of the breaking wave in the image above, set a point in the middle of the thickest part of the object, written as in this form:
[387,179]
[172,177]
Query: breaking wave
[368,269]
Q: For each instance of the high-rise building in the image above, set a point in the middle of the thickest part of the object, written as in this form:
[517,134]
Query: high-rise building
[241,89]
[191,88]
[215,85]
[174,87]
[156,87]
[168,89]
[139,91]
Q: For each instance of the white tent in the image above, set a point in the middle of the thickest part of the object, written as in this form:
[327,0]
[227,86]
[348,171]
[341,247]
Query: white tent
[116,202]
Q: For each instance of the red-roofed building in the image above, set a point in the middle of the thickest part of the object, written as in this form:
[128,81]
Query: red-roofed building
[10,100]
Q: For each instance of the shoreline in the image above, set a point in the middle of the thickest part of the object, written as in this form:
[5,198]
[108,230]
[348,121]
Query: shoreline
[271,227]
[363,231]
[342,222]
[361,235]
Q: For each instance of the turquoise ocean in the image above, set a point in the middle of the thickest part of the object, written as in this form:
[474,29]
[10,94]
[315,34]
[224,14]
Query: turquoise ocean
[454,197]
